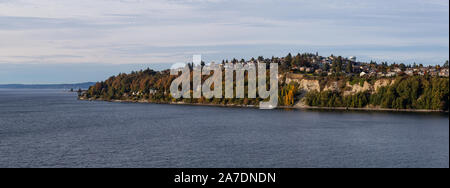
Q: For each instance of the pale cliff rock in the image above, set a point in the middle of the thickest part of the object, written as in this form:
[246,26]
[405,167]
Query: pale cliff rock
[357,88]
[308,85]
[333,86]
[305,84]
[382,83]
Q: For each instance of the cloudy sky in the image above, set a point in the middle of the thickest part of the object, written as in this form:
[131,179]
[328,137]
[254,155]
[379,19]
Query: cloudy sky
[56,41]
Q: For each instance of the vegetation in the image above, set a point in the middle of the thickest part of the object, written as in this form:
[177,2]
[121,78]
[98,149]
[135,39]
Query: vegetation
[154,87]
[408,92]
[431,93]
[288,94]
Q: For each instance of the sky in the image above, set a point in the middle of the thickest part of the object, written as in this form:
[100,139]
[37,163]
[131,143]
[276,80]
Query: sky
[68,41]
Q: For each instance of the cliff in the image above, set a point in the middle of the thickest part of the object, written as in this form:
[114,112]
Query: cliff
[341,86]
[296,90]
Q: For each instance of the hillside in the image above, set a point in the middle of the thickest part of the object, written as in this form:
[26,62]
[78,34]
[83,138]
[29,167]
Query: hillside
[299,87]
[403,92]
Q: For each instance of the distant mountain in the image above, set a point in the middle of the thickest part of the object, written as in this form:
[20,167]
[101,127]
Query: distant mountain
[77,86]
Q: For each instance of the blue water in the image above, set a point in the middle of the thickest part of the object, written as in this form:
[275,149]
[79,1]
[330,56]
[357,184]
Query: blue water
[51,128]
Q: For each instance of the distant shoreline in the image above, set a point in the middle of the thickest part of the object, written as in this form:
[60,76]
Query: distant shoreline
[75,86]
[279,107]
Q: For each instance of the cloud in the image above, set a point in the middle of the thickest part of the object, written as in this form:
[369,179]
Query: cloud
[164,31]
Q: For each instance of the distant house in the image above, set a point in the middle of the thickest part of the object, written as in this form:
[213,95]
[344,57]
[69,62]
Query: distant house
[318,71]
[357,68]
[391,74]
[444,73]
[136,93]
[397,70]
[325,61]
[409,72]
[434,73]
[365,68]
[309,70]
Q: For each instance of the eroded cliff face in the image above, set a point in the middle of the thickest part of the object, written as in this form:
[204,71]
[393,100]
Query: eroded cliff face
[310,85]
[357,88]
[332,86]
[305,84]
[382,83]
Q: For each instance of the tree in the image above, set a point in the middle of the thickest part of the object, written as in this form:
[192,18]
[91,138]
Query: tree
[326,67]
[402,67]
[349,67]
[261,58]
[339,64]
[334,66]
[288,59]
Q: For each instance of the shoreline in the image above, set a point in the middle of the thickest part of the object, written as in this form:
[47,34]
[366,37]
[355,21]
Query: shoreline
[279,107]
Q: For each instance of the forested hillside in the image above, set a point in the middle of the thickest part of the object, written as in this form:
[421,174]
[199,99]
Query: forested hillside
[421,90]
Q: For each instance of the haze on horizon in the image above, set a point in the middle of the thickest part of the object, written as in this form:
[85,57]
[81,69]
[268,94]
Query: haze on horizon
[64,41]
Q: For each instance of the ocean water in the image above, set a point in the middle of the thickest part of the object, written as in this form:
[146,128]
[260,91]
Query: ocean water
[51,128]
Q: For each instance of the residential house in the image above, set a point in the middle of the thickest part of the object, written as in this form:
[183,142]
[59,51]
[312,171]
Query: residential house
[391,74]
[409,72]
[444,73]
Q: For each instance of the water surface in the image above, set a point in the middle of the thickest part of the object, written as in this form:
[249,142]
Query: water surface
[51,128]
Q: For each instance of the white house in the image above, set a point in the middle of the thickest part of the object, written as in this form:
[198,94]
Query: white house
[391,74]
[409,72]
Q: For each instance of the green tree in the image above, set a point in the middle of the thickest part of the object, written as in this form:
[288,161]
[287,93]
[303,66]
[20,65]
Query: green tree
[349,67]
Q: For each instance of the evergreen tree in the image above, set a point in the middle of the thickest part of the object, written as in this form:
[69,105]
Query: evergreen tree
[349,67]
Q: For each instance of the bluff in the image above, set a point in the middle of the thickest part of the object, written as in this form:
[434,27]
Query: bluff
[401,92]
